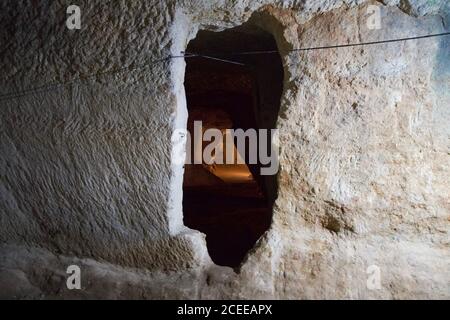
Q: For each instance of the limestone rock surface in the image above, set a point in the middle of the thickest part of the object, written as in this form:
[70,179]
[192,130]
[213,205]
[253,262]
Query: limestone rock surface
[87,171]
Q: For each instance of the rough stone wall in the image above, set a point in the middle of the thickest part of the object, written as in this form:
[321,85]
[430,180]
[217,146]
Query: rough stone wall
[86,166]
[87,176]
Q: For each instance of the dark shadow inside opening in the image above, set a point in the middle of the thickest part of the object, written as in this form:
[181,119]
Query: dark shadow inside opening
[231,203]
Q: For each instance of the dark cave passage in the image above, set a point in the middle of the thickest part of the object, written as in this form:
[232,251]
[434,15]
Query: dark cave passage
[231,203]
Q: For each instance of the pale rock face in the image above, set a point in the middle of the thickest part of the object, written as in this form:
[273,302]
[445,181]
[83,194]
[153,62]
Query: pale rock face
[87,176]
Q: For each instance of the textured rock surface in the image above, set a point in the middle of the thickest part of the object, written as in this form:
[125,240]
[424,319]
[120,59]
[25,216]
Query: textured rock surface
[87,178]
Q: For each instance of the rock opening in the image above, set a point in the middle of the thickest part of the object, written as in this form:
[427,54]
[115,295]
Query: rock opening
[231,203]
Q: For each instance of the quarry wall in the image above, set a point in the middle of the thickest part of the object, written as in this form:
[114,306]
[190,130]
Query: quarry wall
[86,166]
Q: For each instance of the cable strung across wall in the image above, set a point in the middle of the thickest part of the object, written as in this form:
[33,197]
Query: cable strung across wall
[209,55]
[340,45]
[52,86]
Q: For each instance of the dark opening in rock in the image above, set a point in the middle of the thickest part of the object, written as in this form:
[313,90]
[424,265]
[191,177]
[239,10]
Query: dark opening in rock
[231,203]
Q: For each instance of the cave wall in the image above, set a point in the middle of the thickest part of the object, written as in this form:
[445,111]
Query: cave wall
[88,175]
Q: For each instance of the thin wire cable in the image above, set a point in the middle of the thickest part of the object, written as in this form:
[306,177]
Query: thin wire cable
[45,88]
[192,55]
[52,86]
[242,53]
